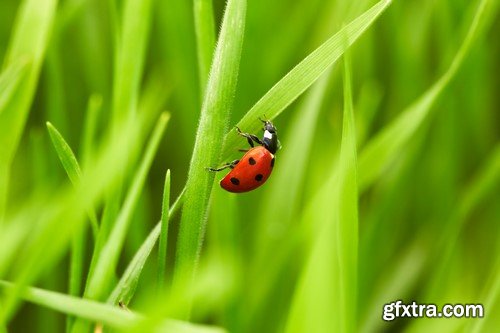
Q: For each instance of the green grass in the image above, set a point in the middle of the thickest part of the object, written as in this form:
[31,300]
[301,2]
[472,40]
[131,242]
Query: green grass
[386,186]
[214,116]
[162,246]
[28,44]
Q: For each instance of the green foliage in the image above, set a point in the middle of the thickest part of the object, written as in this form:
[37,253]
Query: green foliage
[102,313]
[306,72]
[213,119]
[205,38]
[28,43]
[386,186]
[162,246]
[111,250]
[383,148]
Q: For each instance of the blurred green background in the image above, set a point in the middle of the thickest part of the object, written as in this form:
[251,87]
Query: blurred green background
[427,221]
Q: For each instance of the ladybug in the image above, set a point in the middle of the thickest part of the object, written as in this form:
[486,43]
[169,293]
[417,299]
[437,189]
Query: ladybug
[255,167]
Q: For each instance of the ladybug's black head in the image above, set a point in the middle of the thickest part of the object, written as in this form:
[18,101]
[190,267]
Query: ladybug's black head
[270,140]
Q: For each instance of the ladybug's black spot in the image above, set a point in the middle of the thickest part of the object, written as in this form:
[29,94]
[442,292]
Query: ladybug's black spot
[251,161]
[235,181]
[259,177]
[272,162]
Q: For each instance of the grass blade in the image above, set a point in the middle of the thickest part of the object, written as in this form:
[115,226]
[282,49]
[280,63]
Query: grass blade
[347,236]
[71,166]
[104,313]
[213,123]
[491,296]
[90,129]
[329,279]
[29,41]
[66,155]
[50,215]
[130,56]
[205,39]
[162,247]
[107,261]
[277,210]
[10,79]
[485,182]
[385,147]
[125,288]
[101,313]
[304,74]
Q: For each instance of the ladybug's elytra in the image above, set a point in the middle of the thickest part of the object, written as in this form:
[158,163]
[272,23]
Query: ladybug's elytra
[255,167]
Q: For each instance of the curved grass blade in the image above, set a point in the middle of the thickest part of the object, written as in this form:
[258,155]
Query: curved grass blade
[71,166]
[293,84]
[485,182]
[209,139]
[100,312]
[65,154]
[491,296]
[386,145]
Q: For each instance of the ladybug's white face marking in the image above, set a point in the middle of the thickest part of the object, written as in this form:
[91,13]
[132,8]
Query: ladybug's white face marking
[268,135]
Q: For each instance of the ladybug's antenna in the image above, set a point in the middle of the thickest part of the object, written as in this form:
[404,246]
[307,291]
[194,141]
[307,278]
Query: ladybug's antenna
[264,121]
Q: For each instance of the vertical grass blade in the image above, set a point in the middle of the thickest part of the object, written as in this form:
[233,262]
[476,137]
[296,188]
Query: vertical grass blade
[209,138]
[131,50]
[125,288]
[279,207]
[347,236]
[29,41]
[90,129]
[162,247]
[205,39]
[385,147]
[329,279]
[76,268]
[107,261]
[304,74]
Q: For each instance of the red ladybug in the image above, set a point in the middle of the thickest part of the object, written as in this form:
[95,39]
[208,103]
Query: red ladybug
[255,167]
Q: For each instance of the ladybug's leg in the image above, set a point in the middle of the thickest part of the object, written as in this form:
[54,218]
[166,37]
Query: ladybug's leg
[224,166]
[250,137]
